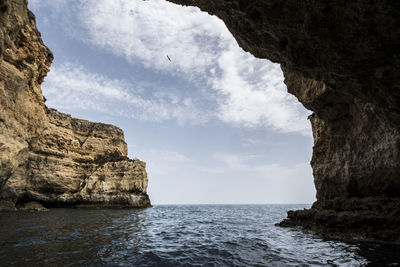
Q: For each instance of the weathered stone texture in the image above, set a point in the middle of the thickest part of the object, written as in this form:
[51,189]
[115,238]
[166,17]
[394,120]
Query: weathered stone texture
[32,206]
[47,156]
[341,59]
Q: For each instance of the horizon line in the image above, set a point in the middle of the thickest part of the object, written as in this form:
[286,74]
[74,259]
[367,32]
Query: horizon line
[160,204]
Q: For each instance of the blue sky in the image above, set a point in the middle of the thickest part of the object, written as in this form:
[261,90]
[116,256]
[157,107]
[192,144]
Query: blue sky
[213,123]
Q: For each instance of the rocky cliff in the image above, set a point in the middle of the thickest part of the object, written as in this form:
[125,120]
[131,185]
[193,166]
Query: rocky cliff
[341,59]
[47,156]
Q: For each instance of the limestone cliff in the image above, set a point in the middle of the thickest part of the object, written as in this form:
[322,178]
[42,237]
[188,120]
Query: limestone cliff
[341,59]
[47,156]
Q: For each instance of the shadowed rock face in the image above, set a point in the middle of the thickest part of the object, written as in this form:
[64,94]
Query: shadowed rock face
[47,156]
[341,59]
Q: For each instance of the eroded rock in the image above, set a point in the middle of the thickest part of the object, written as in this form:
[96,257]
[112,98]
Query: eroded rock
[6,205]
[33,206]
[341,59]
[47,156]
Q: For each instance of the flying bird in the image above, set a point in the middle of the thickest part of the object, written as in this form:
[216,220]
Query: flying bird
[169,58]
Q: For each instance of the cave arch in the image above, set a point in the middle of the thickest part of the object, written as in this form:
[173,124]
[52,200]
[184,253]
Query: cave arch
[341,60]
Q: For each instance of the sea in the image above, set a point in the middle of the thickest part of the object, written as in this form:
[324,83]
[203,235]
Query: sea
[175,235]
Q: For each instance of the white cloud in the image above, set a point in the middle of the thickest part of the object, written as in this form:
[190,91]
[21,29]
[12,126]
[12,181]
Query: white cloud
[150,30]
[251,91]
[256,95]
[71,86]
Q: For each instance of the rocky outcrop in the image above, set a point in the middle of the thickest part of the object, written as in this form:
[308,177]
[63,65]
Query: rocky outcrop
[33,206]
[6,205]
[341,59]
[47,156]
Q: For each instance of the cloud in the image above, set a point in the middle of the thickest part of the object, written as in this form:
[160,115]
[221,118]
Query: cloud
[70,86]
[255,94]
[248,92]
[150,30]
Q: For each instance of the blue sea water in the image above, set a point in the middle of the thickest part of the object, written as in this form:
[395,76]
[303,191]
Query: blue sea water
[176,235]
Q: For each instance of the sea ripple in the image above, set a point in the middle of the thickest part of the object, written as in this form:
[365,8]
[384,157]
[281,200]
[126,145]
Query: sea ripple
[176,235]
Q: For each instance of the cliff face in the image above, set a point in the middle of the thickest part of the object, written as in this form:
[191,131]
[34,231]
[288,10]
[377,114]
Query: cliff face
[341,59]
[47,156]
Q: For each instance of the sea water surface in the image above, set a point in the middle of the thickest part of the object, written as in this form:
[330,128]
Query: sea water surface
[176,235]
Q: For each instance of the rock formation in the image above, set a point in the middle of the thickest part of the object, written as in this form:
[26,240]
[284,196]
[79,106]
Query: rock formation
[341,59]
[47,156]
[33,206]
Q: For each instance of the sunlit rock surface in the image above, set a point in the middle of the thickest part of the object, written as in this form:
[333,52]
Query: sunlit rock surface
[47,156]
[341,59]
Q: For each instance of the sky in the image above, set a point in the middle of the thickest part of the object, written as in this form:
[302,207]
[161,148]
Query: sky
[214,124]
